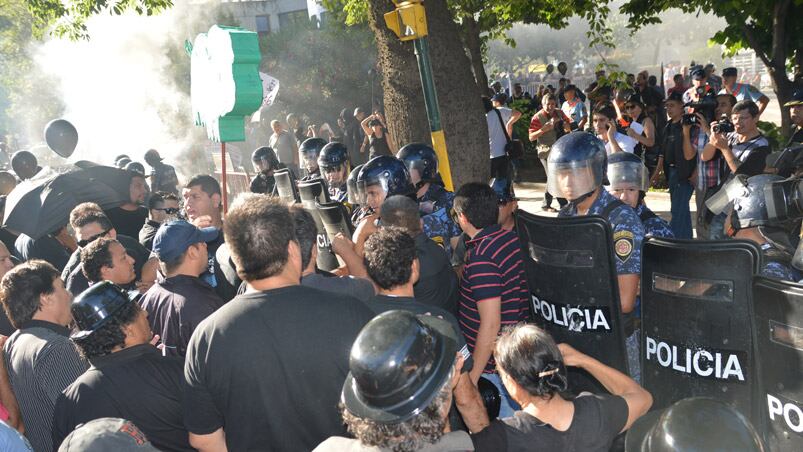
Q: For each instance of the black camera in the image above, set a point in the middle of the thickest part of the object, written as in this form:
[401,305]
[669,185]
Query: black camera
[707,105]
[724,125]
[784,199]
[690,119]
[787,161]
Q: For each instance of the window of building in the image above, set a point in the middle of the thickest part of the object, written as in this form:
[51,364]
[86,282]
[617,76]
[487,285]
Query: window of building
[263,25]
[293,18]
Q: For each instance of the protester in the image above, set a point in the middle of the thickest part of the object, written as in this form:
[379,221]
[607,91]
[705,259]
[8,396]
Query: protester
[105,434]
[500,122]
[379,141]
[403,369]
[493,291]
[284,143]
[546,126]
[265,163]
[699,87]
[641,127]
[307,236]
[352,136]
[533,369]
[129,217]
[162,207]
[12,441]
[177,304]
[106,259]
[40,359]
[680,161]
[163,176]
[203,204]
[47,248]
[129,377]
[25,165]
[6,264]
[605,126]
[742,91]
[266,368]
[574,108]
[679,86]
[437,283]
[599,92]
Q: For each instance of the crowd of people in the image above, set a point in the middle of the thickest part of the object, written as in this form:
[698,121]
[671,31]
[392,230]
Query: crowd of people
[163,323]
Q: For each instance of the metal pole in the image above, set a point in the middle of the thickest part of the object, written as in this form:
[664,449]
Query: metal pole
[433,110]
[223,188]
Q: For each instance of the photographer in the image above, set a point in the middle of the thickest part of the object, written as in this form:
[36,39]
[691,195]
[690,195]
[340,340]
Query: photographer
[710,173]
[680,161]
[744,149]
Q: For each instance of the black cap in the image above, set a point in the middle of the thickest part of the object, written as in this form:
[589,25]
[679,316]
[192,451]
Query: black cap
[398,365]
[797,99]
[96,305]
[730,72]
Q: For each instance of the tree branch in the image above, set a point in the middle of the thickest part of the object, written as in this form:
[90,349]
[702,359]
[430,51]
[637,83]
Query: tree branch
[756,46]
[779,35]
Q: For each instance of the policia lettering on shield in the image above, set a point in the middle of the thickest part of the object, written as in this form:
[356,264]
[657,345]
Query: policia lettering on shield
[577,164]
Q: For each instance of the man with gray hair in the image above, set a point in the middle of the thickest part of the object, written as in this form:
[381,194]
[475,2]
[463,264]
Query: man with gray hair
[284,143]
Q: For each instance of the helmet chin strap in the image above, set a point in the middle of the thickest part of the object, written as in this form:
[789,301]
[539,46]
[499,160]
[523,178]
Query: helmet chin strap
[573,203]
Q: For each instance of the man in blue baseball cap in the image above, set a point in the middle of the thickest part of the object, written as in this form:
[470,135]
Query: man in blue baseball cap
[179,302]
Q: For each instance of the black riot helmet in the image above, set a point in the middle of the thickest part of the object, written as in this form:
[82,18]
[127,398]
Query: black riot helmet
[310,149]
[96,305]
[123,162]
[136,167]
[387,172]
[264,158]
[333,156]
[398,365]
[354,194]
[691,425]
[576,165]
[421,158]
[749,202]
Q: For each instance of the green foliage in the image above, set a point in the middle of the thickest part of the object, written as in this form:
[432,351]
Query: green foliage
[321,70]
[772,132]
[68,17]
[522,127]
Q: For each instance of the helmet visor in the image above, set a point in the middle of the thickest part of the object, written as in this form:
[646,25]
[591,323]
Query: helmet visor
[355,195]
[310,161]
[571,180]
[374,191]
[722,199]
[625,175]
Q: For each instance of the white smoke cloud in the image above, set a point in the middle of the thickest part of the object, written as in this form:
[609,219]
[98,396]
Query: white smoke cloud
[123,87]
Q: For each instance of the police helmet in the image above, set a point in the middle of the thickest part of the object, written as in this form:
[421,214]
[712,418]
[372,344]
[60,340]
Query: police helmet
[123,162]
[388,172]
[333,156]
[121,156]
[312,147]
[136,167]
[576,165]
[694,424]
[749,202]
[626,170]
[398,364]
[96,305]
[422,158]
[265,154]
[354,194]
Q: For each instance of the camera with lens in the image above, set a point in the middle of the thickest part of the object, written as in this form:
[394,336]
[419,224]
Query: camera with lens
[784,199]
[690,119]
[707,105]
[724,125]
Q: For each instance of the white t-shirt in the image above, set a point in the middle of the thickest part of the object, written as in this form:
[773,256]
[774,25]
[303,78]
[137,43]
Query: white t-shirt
[496,134]
[626,143]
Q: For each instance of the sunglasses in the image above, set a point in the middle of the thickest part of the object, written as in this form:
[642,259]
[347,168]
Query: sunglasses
[170,210]
[83,243]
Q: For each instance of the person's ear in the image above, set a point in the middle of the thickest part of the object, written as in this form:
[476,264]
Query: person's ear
[416,271]
[294,255]
[216,199]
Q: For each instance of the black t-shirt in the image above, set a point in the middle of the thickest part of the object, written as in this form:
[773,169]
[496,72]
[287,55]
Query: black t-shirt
[385,303]
[137,384]
[76,281]
[127,222]
[437,282]
[673,151]
[752,154]
[378,145]
[598,419]
[147,233]
[269,367]
[46,248]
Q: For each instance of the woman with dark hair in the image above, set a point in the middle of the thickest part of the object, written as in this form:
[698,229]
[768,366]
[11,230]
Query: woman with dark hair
[642,128]
[533,370]
[379,142]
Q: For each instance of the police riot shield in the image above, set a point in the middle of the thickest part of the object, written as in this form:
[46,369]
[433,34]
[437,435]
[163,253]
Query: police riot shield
[335,218]
[778,329]
[695,321]
[313,192]
[286,185]
[574,291]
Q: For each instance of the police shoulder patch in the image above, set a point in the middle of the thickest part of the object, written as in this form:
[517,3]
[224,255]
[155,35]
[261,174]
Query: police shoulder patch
[623,244]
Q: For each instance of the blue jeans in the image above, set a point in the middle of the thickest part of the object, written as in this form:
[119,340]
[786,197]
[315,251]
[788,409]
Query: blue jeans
[680,192]
[508,405]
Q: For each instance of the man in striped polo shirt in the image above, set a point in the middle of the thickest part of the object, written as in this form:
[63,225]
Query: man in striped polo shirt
[493,290]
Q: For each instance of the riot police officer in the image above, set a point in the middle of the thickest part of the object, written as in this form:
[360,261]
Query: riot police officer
[265,162]
[749,220]
[577,165]
[163,176]
[356,198]
[382,177]
[434,200]
[629,181]
[335,167]
[310,150]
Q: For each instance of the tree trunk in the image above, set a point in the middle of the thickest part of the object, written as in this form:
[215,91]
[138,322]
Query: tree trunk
[473,44]
[405,112]
[462,115]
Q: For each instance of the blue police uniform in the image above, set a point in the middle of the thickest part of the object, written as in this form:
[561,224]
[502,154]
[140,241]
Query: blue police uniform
[434,207]
[628,232]
[338,194]
[776,269]
[628,235]
[654,226]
